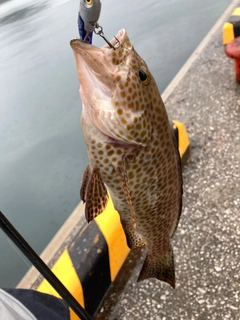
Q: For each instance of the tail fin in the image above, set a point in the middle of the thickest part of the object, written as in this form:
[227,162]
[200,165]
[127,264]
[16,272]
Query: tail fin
[160,267]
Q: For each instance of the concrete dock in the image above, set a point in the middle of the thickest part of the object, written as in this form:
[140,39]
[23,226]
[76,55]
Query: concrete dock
[206,98]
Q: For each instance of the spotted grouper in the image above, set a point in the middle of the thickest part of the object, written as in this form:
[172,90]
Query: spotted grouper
[132,150]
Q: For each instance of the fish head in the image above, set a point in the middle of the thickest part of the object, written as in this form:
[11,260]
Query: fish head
[116,88]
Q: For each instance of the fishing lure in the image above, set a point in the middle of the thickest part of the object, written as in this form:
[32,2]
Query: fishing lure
[88,15]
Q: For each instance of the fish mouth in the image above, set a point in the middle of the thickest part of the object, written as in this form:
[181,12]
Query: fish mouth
[95,64]
[99,71]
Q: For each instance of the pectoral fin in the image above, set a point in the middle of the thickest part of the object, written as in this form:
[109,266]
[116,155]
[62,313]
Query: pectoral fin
[122,174]
[84,183]
[94,193]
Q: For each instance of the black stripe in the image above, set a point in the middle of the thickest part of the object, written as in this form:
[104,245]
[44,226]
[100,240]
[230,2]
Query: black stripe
[233,19]
[90,258]
[236,28]
[176,133]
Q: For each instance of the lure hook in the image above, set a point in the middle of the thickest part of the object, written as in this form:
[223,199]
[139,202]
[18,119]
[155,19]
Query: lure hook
[88,38]
[101,34]
[88,15]
[118,43]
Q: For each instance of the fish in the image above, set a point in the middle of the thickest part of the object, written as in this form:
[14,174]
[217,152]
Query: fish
[132,151]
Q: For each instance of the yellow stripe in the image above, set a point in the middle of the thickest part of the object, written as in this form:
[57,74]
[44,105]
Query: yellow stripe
[228,33]
[66,273]
[111,227]
[228,28]
[236,12]
[72,315]
[183,142]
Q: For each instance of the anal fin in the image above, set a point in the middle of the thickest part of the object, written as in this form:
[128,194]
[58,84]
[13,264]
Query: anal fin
[160,267]
[134,239]
[94,192]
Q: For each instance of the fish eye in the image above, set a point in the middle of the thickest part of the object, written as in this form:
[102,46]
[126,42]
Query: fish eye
[88,2]
[143,76]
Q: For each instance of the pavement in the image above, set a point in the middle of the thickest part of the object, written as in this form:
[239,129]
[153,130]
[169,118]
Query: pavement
[207,241]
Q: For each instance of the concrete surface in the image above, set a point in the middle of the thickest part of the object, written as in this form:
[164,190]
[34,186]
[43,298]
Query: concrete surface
[207,241]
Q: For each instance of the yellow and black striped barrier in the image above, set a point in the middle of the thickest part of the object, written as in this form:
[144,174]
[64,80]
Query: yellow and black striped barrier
[231,28]
[183,141]
[93,259]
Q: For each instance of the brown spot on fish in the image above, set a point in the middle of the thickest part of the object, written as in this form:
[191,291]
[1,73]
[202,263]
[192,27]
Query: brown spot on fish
[134,95]
[130,175]
[110,153]
[119,152]
[130,105]
[139,126]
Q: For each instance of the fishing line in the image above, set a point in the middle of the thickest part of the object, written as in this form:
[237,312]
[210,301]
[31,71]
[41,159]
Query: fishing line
[33,257]
[46,284]
[19,253]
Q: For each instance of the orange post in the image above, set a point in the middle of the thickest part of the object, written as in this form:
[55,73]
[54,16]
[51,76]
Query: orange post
[232,50]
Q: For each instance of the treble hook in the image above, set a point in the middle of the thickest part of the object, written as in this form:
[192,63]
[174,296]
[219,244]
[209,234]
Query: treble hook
[88,38]
[101,34]
[118,42]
